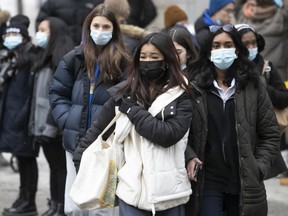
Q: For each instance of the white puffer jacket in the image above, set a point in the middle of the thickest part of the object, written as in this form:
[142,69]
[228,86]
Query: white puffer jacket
[153,177]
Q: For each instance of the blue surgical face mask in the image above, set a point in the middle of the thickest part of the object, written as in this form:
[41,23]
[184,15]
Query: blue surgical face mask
[100,38]
[12,41]
[41,39]
[252,53]
[183,67]
[223,58]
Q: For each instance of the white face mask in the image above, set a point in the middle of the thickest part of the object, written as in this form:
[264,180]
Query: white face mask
[223,58]
[252,53]
[41,39]
[100,38]
[12,41]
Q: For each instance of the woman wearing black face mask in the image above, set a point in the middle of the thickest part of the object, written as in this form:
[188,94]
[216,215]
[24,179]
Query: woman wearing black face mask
[155,104]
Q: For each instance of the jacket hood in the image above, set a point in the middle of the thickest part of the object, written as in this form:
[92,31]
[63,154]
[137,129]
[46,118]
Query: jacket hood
[132,31]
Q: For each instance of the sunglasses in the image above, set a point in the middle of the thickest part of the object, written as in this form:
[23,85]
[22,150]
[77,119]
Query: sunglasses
[226,28]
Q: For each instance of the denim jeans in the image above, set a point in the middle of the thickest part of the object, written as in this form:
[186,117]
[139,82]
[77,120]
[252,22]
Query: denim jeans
[214,203]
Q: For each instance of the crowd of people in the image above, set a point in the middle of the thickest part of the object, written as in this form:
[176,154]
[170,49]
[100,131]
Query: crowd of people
[197,129]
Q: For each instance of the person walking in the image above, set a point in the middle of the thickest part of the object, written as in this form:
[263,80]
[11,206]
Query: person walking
[186,50]
[156,109]
[14,109]
[79,87]
[275,86]
[4,17]
[52,33]
[234,133]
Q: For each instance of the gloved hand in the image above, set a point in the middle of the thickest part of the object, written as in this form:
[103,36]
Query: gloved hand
[126,104]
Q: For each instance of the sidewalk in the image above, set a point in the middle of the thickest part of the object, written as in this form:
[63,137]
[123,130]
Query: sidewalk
[9,182]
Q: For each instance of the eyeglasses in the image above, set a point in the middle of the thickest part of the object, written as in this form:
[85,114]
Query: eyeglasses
[226,28]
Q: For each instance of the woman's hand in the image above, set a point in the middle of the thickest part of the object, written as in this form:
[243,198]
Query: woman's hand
[193,167]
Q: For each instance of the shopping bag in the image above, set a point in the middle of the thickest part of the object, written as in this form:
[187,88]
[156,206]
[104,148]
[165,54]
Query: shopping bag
[282,118]
[96,180]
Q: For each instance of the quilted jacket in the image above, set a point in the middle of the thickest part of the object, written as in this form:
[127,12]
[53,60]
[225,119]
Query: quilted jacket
[68,97]
[258,144]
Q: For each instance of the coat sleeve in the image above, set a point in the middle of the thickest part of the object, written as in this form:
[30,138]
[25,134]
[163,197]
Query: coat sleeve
[60,94]
[164,133]
[104,118]
[268,135]
[276,89]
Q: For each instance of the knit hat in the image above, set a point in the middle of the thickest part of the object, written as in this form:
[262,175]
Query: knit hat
[19,24]
[216,5]
[174,14]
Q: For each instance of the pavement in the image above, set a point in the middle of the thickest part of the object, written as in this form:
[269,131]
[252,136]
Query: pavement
[9,184]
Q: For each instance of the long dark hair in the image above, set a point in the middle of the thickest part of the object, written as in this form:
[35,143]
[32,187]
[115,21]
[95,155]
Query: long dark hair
[110,58]
[242,69]
[182,37]
[60,42]
[138,87]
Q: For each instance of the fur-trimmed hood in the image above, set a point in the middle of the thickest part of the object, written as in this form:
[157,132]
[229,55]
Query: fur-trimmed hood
[4,16]
[132,31]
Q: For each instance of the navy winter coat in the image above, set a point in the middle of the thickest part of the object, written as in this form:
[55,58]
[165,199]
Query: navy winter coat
[69,97]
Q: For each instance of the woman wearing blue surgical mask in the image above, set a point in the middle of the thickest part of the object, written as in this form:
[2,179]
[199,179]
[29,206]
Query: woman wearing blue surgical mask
[234,132]
[255,43]
[54,41]
[79,87]
[275,86]
[187,51]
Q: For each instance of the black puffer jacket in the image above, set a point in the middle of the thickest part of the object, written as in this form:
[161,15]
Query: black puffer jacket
[276,89]
[258,144]
[69,97]
[72,12]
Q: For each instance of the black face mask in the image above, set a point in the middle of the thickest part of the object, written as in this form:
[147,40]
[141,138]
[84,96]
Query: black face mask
[152,69]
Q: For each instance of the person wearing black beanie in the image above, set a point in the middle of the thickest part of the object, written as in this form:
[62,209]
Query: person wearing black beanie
[17,83]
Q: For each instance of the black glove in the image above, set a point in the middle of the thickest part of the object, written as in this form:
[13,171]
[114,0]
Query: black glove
[126,104]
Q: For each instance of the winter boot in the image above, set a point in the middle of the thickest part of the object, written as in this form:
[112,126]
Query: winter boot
[60,210]
[26,208]
[19,200]
[52,208]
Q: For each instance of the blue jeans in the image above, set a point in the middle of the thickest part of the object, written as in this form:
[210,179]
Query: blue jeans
[214,203]
[128,210]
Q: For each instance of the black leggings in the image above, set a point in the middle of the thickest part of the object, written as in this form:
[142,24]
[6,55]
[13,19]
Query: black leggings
[28,171]
[55,155]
